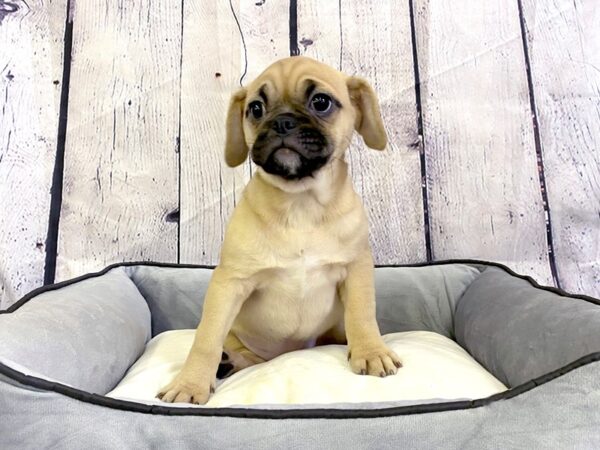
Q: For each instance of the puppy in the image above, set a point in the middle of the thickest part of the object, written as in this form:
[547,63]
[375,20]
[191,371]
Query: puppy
[296,267]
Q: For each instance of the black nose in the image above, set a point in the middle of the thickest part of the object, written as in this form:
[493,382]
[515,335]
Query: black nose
[284,123]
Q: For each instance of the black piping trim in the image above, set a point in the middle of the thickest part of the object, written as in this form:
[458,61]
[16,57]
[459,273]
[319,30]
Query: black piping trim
[59,162]
[53,287]
[62,284]
[315,413]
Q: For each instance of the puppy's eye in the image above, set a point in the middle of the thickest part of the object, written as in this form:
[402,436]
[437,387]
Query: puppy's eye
[256,109]
[321,103]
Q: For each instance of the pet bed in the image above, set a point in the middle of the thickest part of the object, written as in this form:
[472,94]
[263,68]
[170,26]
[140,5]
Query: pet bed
[64,347]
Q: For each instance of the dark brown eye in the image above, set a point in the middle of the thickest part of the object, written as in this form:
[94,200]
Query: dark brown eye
[321,103]
[257,109]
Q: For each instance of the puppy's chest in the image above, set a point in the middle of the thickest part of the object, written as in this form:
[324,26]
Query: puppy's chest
[300,299]
[314,269]
[305,272]
[313,255]
[305,263]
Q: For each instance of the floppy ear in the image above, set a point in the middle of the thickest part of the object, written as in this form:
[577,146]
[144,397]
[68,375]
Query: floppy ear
[368,117]
[236,150]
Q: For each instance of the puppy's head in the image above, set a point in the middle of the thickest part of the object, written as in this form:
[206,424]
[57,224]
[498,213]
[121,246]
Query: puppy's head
[298,116]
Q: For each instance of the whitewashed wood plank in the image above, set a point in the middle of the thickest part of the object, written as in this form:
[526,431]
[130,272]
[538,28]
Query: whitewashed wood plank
[31,57]
[214,60]
[484,193]
[121,161]
[374,41]
[211,61]
[564,50]
[265,27]
[320,31]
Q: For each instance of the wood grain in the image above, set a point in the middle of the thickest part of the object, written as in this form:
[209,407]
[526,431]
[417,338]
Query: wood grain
[30,83]
[265,27]
[144,173]
[121,160]
[212,63]
[375,42]
[214,60]
[483,185]
[564,48]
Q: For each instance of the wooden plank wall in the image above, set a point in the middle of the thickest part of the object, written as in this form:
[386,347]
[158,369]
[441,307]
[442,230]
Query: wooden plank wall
[494,153]
[376,44]
[121,161]
[482,174]
[30,95]
[563,39]
[209,188]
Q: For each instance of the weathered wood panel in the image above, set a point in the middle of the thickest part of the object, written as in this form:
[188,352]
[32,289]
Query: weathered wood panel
[121,161]
[214,59]
[129,181]
[374,41]
[265,28]
[564,50]
[483,184]
[31,56]
[211,60]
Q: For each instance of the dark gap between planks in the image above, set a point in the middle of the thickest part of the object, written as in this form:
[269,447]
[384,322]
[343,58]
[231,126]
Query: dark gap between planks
[538,149]
[420,135]
[294,51]
[58,173]
[177,213]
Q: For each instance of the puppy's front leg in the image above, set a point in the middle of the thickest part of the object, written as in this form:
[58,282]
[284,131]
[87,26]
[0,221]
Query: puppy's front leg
[222,303]
[367,352]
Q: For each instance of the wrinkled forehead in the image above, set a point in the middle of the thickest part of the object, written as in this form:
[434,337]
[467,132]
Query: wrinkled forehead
[295,79]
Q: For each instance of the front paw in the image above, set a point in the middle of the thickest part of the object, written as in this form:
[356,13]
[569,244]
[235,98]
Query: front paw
[376,359]
[186,390]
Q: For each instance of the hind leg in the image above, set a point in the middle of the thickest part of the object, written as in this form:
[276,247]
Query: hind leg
[235,357]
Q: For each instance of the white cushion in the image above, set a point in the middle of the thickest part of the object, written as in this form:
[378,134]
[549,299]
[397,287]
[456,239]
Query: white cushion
[435,367]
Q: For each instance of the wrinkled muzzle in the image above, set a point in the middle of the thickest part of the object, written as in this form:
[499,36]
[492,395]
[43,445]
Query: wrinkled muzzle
[291,147]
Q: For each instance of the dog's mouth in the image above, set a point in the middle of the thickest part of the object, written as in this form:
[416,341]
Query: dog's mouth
[289,163]
[292,157]
[287,157]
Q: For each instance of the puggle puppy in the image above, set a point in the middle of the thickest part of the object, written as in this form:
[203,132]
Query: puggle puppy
[296,268]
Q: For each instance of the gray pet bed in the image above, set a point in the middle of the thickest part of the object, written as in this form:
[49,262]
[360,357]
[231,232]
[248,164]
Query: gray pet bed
[63,346]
